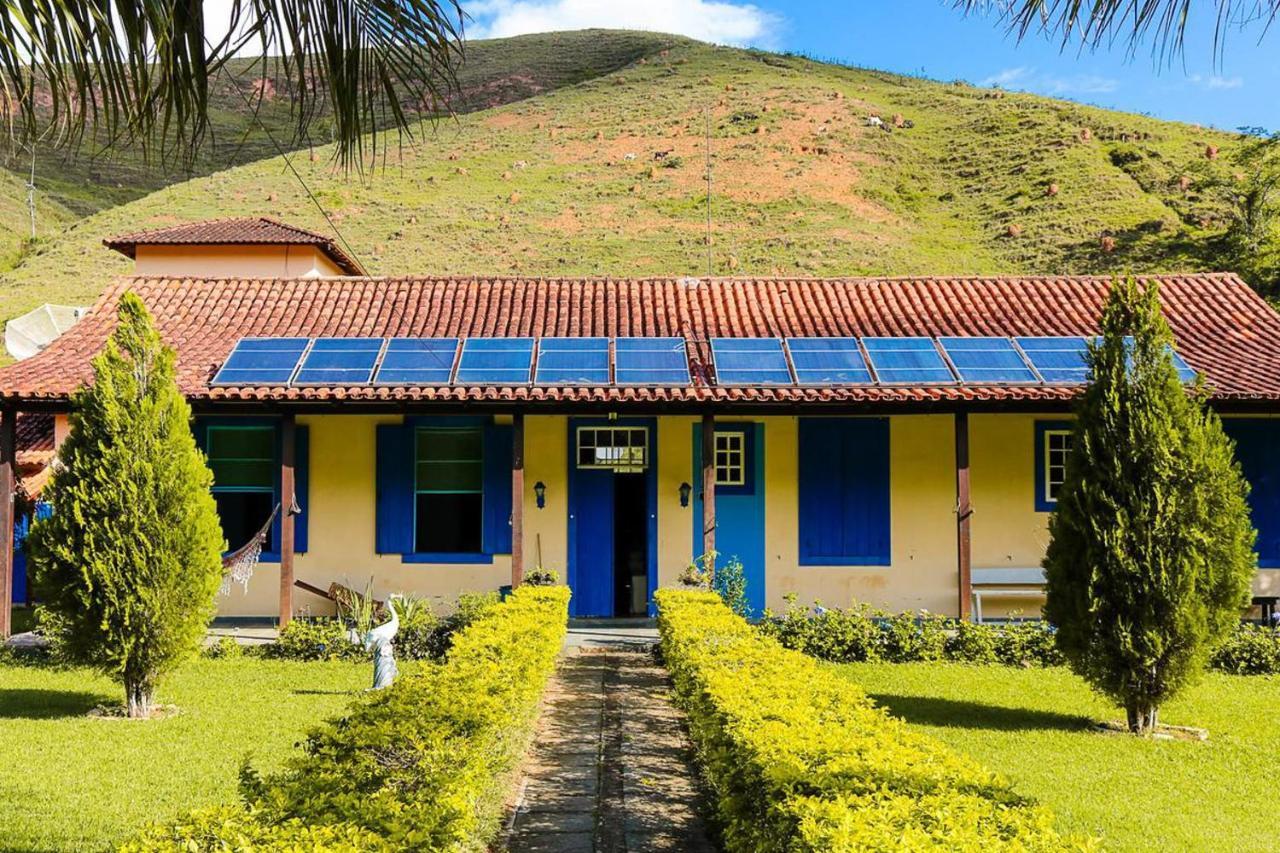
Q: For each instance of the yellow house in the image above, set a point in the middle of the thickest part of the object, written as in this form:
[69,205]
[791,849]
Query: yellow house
[893,441]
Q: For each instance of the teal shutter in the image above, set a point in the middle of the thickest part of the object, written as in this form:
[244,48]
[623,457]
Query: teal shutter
[496,538]
[395,489]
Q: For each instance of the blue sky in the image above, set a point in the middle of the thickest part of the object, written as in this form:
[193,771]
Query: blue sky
[930,37]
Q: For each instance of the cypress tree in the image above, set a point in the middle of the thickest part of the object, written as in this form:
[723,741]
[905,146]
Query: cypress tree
[129,563]
[1150,557]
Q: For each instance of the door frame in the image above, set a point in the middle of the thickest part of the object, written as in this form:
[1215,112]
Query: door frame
[651,502]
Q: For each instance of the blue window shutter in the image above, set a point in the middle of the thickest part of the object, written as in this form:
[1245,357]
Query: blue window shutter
[301,484]
[497,489]
[844,492]
[395,498]
[1258,452]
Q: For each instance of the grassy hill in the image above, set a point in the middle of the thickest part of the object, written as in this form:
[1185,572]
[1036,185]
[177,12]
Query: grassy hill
[605,176]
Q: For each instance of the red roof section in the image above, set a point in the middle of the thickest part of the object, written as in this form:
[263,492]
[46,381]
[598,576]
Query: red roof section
[244,230]
[1223,329]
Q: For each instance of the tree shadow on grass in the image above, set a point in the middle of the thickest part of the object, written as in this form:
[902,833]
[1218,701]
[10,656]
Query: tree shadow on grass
[934,711]
[22,704]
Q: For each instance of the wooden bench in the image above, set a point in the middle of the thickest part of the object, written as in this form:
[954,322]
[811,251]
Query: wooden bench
[1004,583]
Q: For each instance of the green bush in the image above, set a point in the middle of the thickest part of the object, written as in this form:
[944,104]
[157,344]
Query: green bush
[862,633]
[1250,650]
[310,639]
[422,765]
[800,760]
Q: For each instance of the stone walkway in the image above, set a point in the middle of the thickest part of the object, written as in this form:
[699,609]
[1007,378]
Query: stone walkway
[611,768]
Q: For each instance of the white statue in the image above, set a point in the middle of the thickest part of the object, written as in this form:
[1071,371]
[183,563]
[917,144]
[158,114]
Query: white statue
[379,641]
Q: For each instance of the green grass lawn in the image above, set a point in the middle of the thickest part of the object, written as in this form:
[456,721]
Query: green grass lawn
[71,782]
[1034,726]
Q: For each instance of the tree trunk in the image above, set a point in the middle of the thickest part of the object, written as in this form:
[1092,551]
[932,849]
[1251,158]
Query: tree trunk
[1143,718]
[138,693]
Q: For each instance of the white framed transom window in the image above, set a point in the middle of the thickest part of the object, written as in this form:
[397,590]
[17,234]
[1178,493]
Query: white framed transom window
[621,449]
[731,458]
[1057,447]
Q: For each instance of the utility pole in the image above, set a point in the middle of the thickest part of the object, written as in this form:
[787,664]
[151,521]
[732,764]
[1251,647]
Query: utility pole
[31,193]
[708,147]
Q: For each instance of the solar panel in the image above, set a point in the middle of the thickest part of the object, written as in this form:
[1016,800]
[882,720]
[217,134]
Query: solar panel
[1060,361]
[339,361]
[828,361]
[417,361]
[1185,371]
[651,361]
[987,361]
[261,361]
[914,361]
[750,361]
[495,361]
[573,361]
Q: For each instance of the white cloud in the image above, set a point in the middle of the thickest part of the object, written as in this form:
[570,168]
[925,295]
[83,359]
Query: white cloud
[1085,84]
[1029,80]
[716,21]
[1215,82]
[1007,77]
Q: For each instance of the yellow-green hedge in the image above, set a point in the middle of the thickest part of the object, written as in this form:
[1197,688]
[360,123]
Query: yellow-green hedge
[799,759]
[422,765]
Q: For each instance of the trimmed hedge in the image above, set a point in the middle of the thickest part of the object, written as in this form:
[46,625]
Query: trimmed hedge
[861,633]
[800,760]
[422,765]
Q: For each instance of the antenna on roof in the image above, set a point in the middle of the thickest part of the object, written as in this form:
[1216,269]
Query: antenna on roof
[708,147]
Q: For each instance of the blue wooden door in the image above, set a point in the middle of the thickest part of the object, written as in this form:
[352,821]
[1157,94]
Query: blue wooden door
[739,504]
[591,532]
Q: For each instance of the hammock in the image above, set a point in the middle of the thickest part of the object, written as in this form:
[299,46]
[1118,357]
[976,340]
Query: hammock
[238,566]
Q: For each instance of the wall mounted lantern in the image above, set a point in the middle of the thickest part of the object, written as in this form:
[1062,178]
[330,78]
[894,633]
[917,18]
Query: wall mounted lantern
[685,489]
[540,492]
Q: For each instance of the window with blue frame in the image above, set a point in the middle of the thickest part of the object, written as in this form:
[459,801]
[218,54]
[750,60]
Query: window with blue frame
[245,468]
[444,490]
[1053,448]
[844,489]
[449,490]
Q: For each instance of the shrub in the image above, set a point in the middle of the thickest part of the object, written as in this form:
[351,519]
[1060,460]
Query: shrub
[1250,650]
[129,562]
[1027,643]
[1150,556]
[836,635]
[422,765]
[310,639]
[973,643]
[225,647]
[800,760]
[908,637]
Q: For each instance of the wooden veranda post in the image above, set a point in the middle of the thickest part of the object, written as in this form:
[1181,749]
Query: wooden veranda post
[964,515]
[517,500]
[288,454]
[8,456]
[709,488]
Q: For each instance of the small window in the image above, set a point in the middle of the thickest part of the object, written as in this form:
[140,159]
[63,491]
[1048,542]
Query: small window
[449,492]
[731,458]
[1057,447]
[244,464]
[621,449]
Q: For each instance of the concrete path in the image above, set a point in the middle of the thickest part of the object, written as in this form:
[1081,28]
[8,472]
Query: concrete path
[611,768]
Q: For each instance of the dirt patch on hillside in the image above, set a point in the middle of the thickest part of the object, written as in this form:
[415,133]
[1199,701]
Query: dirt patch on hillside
[771,152]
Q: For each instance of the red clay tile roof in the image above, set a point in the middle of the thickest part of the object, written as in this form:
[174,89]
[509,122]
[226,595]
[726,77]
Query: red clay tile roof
[245,230]
[35,450]
[1223,329]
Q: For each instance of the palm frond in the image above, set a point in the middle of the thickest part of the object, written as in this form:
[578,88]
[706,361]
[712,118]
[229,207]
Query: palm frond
[140,71]
[1162,23]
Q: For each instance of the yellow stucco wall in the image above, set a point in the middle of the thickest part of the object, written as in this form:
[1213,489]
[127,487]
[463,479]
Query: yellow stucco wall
[922,574]
[215,261]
